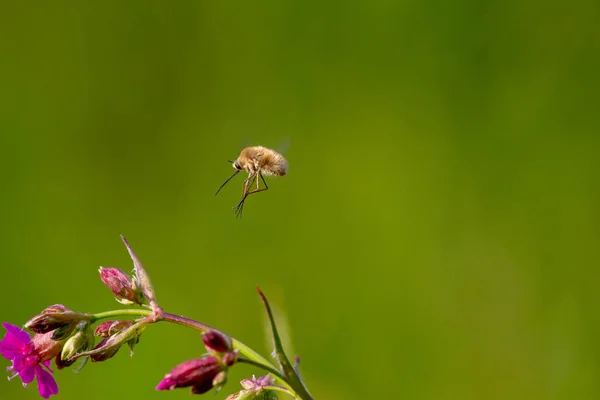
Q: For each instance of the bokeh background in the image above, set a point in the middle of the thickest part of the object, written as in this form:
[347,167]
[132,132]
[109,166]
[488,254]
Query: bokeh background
[436,237]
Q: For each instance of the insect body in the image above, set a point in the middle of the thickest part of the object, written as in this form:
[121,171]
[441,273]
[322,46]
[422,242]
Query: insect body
[257,161]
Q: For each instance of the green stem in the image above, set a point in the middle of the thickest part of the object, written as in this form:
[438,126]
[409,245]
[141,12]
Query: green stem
[280,389]
[252,357]
[268,368]
[120,314]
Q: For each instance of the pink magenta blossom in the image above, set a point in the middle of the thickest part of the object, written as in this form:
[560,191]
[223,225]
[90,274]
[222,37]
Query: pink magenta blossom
[27,362]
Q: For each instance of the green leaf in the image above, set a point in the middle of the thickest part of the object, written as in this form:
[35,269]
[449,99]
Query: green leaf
[286,367]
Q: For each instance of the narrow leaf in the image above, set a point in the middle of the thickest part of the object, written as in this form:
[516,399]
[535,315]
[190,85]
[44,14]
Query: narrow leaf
[286,367]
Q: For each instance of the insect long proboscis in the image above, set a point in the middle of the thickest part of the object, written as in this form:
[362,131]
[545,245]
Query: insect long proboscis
[228,179]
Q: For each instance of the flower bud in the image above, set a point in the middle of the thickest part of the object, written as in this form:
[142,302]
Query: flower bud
[107,349]
[110,328]
[60,363]
[122,285]
[55,317]
[63,332]
[106,354]
[198,373]
[45,346]
[118,335]
[219,380]
[81,341]
[230,358]
[217,342]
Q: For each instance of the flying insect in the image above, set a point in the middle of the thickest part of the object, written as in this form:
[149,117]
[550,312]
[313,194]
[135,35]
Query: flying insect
[257,161]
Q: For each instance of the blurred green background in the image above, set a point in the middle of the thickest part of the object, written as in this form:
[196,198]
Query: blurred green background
[436,237]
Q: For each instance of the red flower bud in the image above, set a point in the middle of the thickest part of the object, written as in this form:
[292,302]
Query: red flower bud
[122,285]
[230,358]
[54,317]
[106,354]
[109,328]
[217,342]
[60,363]
[198,373]
[126,332]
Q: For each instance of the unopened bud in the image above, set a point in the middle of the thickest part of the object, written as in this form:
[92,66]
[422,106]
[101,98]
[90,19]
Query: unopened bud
[217,342]
[198,374]
[110,328]
[63,332]
[55,317]
[108,350]
[60,363]
[122,285]
[80,342]
[230,358]
[106,354]
[220,380]
[109,346]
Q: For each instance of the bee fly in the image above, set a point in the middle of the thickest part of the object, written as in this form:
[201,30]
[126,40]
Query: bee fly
[257,161]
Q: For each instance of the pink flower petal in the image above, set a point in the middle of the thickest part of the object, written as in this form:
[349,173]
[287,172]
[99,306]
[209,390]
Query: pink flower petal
[8,352]
[22,335]
[46,384]
[27,374]
[47,364]
[15,342]
[26,371]
[8,349]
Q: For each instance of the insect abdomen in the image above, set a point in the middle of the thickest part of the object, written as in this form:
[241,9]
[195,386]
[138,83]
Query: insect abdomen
[275,164]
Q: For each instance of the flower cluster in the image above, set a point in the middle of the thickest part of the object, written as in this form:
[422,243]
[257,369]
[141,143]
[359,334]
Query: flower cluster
[65,336]
[58,333]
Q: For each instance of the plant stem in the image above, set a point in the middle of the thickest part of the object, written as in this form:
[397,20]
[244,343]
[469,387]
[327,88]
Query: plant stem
[280,389]
[268,368]
[251,356]
[128,312]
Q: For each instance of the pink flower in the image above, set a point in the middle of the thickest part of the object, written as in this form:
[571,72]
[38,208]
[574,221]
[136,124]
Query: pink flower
[27,362]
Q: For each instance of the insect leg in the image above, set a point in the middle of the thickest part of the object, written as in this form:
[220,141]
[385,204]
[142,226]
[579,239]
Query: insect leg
[265,182]
[238,210]
[245,188]
[257,187]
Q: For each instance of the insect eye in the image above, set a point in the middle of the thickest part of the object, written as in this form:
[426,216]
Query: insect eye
[236,165]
